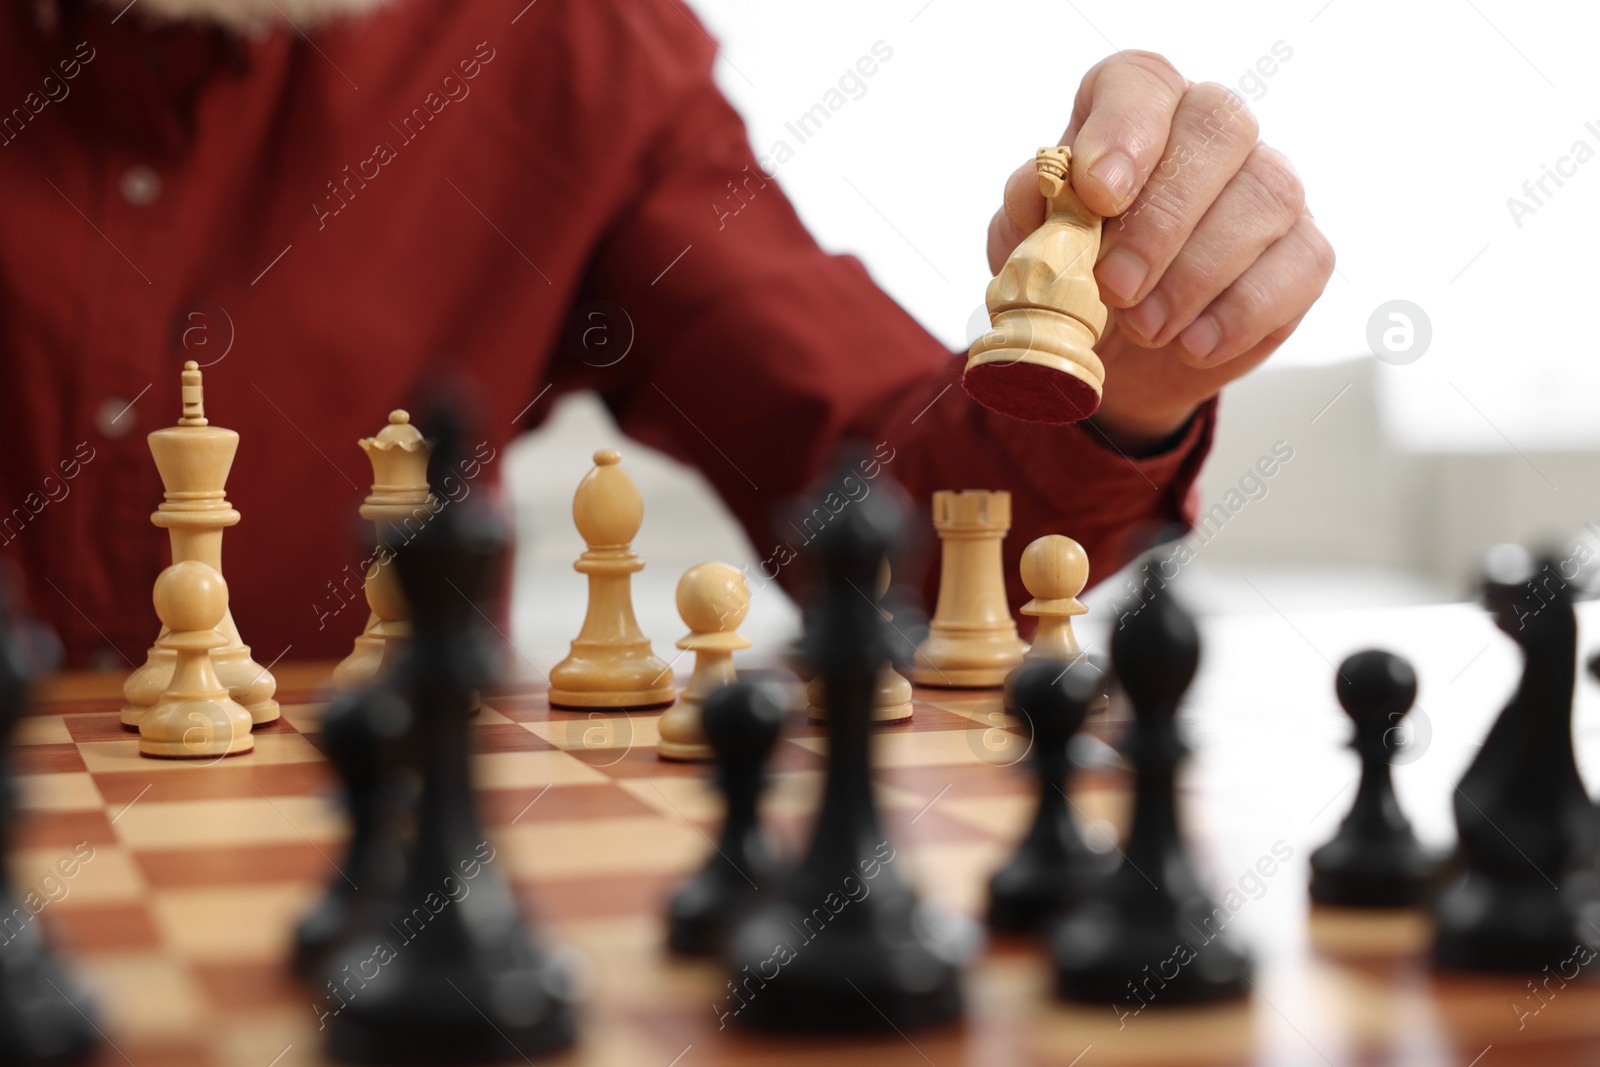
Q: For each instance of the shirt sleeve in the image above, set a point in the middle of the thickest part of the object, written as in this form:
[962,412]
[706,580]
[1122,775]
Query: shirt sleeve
[756,355]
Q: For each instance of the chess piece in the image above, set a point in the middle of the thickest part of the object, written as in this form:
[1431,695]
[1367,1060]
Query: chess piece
[400,499]
[713,600]
[362,733]
[1151,916]
[196,717]
[611,665]
[1054,571]
[194,458]
[891,697]
[456,977]
[741,722]
[1037,361]
[972,640]
[1523,820]
[846,945]
[44,1018]
[1374,861]
[1052,867]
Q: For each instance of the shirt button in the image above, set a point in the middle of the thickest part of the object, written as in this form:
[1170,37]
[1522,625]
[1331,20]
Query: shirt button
[141,186]
[114,418]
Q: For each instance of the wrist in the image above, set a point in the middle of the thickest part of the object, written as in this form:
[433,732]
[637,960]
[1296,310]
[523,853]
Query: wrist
[1144,433]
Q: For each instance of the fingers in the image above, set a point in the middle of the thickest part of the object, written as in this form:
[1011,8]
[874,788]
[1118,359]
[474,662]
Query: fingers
[1260,205]
[1213,133]
[1120,124]
[1277,289]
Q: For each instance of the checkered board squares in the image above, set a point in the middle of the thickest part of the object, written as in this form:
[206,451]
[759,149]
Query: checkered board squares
[180,921]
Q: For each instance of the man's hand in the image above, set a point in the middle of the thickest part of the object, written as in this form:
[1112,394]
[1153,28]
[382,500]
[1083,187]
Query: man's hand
[1209,258]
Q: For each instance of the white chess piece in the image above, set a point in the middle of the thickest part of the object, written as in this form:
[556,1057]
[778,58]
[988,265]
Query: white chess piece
[195,717]
[713,600]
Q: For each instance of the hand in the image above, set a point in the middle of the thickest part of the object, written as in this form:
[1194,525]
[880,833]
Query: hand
[1208,258]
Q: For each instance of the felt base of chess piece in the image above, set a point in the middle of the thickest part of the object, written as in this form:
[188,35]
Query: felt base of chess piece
[891,699]
[1055,393]
[44,1020]
[1488,924]
[1052,868]
[741,723]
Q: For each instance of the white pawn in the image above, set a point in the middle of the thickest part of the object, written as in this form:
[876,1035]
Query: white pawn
[713,600]
[1054,571]
[194,718]
[891,696]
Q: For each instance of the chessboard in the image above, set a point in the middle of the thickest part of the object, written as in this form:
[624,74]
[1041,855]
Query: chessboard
[188,876]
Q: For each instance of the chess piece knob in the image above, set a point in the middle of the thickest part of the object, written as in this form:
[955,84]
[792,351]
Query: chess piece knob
[713,600]
[607,508]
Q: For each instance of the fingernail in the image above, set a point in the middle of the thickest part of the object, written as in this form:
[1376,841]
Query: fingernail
[1114,171]
[1148,316]
[1201,337]
[1123,273]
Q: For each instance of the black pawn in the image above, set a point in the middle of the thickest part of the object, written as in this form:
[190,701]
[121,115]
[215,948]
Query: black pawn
[1052,867]
[44,1019]
[1374,861]
[741,723]
[847,946]
[452,974]
[1149,933]
[1523,819]
[360,736]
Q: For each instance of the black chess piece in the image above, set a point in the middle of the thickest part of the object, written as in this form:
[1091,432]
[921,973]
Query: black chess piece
[1523,819]
[361,736]
[1149,931]
[741,723]
[1052,867]
[1374,861]
[846,945]
[456,976]
[44,1019]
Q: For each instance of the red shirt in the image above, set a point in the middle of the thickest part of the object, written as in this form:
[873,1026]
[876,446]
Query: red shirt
[484,182]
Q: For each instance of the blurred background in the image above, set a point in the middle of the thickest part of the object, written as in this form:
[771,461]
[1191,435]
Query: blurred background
[1441,398]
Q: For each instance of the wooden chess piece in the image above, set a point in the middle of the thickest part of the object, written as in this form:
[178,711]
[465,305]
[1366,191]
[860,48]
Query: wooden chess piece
[713,600]
[1052,866]
[194,458]
[1524,822]
[891,697]
[400,500]
[1374,861]
[741,722]
[45,1020]
[1151,915]
[196,717]
[452,973]
[972,641]
[844,944]
[1037,362]
[611,665]
[1054,571]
